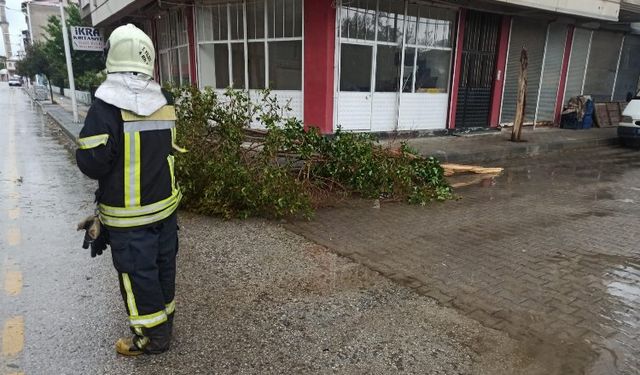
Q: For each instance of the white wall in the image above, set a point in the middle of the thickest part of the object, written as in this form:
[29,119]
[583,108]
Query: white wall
[103,9]
[600,9]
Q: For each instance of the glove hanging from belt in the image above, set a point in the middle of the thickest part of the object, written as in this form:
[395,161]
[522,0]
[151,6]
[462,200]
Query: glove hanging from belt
[94,236]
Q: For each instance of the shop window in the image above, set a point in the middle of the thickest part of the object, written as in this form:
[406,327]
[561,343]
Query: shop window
[221,53]
[391,29]
[432,71]
[274,61]
[237,65]
[409,64]
[355,67]
[285,65]
[390,21]
[428,49]
[387,68]
[236,21]
[256,65]
[255,19]
[358,19]
[173,51]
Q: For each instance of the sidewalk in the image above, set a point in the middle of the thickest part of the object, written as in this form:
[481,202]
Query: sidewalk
[468,148]
[493,147]
[62,113]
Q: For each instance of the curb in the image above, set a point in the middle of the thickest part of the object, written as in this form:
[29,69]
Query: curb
[57,121]
[523,151]
[517,151]
[60,124]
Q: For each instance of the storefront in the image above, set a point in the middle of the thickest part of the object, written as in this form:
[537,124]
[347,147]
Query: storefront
[253,45]
[173,47]
[393,65]
[386,65]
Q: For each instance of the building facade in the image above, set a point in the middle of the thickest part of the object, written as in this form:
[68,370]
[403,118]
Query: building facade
[37,13]
[386,65]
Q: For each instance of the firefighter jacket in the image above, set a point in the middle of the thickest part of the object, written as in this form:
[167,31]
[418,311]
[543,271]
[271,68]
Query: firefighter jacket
[132,158]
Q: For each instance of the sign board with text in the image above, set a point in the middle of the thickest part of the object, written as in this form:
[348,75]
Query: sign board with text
[84,38]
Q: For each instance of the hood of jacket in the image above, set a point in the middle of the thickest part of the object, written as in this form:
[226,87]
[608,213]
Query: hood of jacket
[137,93]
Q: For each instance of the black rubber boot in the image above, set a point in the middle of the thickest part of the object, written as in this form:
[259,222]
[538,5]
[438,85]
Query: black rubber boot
[159,339]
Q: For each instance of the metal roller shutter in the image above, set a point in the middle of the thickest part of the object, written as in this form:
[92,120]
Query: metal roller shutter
[577,63]
[603,63]
[629,69]
[556,41]
[530,34]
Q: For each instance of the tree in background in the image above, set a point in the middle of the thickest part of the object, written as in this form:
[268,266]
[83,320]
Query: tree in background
[83,61]
[36,61]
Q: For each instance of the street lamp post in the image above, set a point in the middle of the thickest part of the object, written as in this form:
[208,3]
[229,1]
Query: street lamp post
[67,53]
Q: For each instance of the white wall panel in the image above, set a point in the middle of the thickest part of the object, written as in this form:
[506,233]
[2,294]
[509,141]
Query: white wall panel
[422,111]
[292,99]
[354,110]
[383,112]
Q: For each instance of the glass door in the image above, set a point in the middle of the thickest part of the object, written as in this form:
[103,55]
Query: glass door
[356,53]
[394,65]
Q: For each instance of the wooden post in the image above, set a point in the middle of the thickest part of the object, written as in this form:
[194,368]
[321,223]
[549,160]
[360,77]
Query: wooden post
[522,97]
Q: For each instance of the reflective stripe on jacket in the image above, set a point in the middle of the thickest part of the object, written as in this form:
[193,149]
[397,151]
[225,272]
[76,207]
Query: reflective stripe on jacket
[131,156]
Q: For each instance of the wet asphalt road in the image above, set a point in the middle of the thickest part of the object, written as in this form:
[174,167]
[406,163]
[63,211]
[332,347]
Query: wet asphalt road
[50,284]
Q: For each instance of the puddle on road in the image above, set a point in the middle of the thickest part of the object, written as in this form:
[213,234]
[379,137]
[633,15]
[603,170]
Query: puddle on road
[609,284]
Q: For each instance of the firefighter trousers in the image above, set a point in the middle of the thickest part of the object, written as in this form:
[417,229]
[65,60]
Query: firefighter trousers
[146,263]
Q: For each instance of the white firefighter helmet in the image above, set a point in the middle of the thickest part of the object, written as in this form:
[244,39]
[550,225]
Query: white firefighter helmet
[130,50]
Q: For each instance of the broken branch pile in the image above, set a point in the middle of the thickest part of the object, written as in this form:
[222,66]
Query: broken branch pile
[234,171]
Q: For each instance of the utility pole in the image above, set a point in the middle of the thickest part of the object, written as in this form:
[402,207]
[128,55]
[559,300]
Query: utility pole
[67,53]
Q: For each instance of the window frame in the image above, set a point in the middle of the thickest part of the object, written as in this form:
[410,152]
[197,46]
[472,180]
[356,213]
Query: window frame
[403,44]
[167,26]
[265,39]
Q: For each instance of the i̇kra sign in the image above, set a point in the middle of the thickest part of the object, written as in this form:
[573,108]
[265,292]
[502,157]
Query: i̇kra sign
[84,38]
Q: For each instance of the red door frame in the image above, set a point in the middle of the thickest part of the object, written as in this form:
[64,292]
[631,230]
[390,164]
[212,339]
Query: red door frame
[498,76]
[563,75]
[319,54]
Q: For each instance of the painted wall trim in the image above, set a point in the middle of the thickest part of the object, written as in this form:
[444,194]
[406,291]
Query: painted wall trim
[499,75]
[319,55]
[457,67]
[563,75]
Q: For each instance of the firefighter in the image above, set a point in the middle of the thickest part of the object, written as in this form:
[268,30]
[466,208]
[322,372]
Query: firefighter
[127,144]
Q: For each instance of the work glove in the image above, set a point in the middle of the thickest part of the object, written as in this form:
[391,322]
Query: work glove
[94,236]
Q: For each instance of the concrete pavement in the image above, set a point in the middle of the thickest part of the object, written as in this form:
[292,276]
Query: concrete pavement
[547,252]
[494,146]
